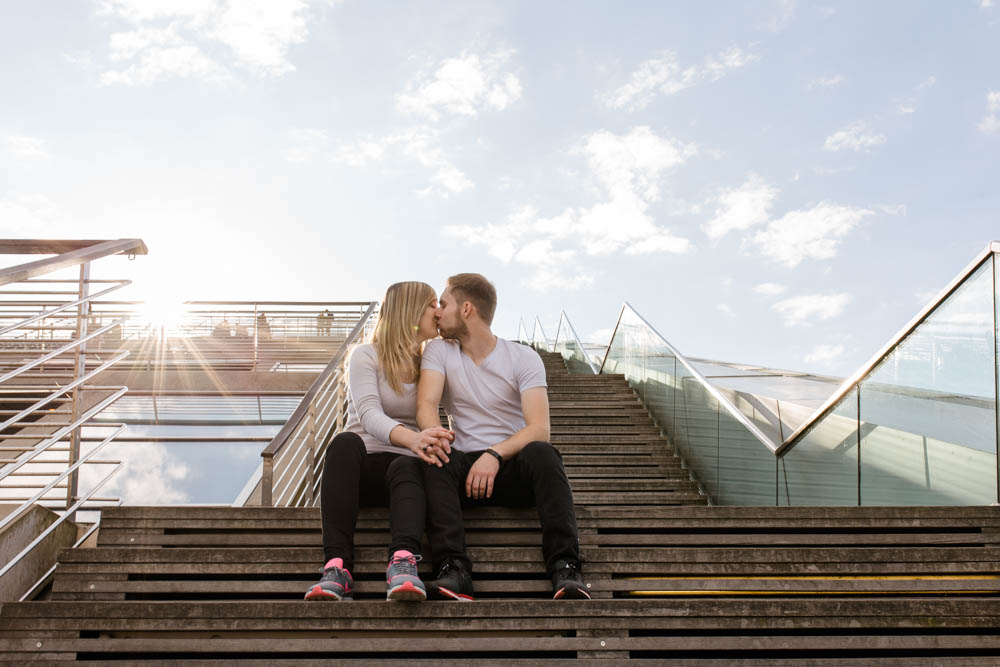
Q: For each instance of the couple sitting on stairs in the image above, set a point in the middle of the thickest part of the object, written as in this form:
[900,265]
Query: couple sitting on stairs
[394,451]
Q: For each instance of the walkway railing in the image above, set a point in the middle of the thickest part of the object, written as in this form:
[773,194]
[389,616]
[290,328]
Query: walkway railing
[917,424]
[292,463]
[47,368]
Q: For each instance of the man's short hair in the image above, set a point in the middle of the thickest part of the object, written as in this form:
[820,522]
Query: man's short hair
[478,291]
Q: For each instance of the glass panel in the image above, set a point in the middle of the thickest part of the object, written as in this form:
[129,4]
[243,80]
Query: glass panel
[928,411]
[821,468]
[746,466]
[161,473]
[698,416]
[692,418]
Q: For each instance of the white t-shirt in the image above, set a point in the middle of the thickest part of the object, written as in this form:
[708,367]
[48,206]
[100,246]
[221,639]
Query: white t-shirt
[484,401]
[373,408]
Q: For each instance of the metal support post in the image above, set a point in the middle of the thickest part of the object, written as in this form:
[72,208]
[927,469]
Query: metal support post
[79,369]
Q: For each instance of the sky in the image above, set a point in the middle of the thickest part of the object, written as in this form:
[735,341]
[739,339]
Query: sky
[779,183]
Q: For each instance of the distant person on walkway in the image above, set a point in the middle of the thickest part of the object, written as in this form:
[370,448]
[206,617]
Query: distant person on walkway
[263,327]
[377,461]
[496,392]
[223,329]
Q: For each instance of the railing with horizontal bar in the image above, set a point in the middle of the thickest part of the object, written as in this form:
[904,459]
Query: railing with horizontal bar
[46,397]
[568,344]
[918,424]
[291,463]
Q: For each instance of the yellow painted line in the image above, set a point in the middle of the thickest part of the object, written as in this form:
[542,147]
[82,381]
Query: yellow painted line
[779,593]
[820,577]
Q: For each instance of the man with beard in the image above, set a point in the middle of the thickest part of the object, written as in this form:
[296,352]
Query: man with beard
[495,390]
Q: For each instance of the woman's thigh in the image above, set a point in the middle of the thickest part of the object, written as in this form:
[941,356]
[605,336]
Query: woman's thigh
[373,491]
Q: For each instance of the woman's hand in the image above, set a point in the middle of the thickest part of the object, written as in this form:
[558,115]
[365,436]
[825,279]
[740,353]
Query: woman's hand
[433,445]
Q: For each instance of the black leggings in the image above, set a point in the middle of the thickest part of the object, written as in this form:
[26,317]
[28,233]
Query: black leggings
[353,478]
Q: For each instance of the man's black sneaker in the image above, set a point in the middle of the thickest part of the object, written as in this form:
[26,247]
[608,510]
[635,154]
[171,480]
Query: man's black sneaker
[567,582]
[453,582]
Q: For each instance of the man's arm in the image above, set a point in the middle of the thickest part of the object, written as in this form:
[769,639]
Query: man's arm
[535,405]
[430,388]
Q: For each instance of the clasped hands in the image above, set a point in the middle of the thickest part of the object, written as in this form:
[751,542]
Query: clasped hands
[433,446]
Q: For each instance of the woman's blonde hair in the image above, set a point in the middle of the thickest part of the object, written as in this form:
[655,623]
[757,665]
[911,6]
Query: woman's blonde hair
[395,337]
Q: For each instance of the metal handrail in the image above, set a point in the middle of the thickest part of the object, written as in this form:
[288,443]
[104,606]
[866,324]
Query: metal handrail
[576,339]
[62,390]
[63,475]
[538,328]
[21,272]
[58,351]
[66,306]
[49,439]
[521,329]
[708,386]
[855,378]
[779,448]
[276,452]
[69,512]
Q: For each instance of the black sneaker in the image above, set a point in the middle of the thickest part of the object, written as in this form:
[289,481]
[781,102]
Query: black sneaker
[453,582]
[567,582]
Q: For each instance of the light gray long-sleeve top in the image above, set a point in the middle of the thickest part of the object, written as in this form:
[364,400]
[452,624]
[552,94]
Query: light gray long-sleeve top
[373,408]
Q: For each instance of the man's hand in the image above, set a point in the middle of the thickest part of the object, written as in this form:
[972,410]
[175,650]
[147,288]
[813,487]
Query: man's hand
[479,483]
[433,445]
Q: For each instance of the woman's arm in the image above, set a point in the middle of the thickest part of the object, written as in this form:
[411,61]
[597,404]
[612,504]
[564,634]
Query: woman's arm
[364,393]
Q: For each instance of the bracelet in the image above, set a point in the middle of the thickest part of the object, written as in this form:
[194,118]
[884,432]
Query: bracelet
[494,453]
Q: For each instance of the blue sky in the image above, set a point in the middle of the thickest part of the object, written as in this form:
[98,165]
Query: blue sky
[782,183]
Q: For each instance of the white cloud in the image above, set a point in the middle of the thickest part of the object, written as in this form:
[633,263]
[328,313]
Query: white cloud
[31,215]
[725,309]
[599,337]
[628,170]
[927,83]
[826,82]
[305,144]
[769,289]
[824,355]
[777,15]
[149,477]
[990,124]
[986,4]
[202,39]
[420,144]
[463,86]
[665,75]
[805,310]
[925,296]
[854,137]
[741,208]
[23,146]
[813,233]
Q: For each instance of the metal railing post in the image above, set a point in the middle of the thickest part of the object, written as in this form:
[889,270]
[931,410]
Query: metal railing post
[267,481]
[311,448]
[79,368]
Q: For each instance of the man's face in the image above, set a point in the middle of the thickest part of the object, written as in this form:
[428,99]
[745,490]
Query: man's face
[449,318]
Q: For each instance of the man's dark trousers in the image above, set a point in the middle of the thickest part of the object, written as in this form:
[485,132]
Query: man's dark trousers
[534,477]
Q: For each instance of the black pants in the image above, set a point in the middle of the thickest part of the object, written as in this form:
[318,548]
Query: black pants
[352,479]
[534,477]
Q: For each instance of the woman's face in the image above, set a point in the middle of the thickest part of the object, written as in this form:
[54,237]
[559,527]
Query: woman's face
[427,326]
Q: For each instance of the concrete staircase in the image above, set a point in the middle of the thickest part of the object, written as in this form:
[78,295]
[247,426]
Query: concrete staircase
[672,578]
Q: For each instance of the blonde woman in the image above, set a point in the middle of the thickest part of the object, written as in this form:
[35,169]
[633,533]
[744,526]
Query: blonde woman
[377,461]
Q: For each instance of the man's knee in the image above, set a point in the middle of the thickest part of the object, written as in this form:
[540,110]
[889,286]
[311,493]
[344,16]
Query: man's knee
[540,453]
[450,472]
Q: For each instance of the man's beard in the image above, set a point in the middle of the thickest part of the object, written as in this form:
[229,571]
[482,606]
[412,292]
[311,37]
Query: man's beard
[455,332]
